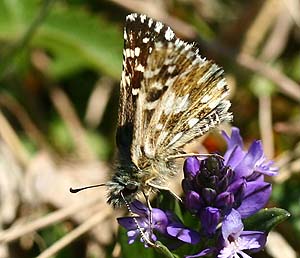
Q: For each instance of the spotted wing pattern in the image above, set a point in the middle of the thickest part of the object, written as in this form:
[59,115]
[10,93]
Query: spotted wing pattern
[170,94]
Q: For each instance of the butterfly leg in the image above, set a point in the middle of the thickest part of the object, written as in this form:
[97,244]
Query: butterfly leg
[144,237]
[186,155]
[164,188]
[146,195]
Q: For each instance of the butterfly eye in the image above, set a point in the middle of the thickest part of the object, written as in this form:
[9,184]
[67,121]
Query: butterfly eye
[131,186]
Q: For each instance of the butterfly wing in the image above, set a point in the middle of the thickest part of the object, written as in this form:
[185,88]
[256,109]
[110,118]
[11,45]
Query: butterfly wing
[140,36]
[169,94]
[138,41]
[193,103]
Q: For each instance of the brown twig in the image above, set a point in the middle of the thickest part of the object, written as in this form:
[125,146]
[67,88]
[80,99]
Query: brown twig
[66,110]
[98,101]
[278,37]
[9,136]
[19,230]
[265,124]
[285,84]
[260,26]
[17,110]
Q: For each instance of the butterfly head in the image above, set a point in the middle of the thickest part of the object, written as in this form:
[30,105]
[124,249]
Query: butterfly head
[123,188]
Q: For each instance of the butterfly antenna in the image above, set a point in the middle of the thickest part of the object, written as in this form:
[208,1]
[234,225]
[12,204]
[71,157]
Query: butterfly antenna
[76,190]
[144,237]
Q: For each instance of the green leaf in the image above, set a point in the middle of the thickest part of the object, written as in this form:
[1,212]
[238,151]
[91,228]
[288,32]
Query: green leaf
[74,38]
[137,249]
[266,219]
[162,249]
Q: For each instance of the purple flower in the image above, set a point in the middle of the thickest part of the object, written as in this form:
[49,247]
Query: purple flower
[159,222]
[234,240]
[213,187]
[245,164]
[165,223]
[176,229]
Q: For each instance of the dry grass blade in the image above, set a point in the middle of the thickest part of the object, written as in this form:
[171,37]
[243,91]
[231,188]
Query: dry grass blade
[65,108]
[98,101]
[20,230]
[8,134]
[286,85]
[20,113]
[80,230]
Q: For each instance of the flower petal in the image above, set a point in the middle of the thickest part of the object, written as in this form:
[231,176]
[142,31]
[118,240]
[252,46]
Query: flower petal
[234,139]
[247,166]
[233,157]
[232,225]
[159,220]
[193,201]
[191,167]
[210,218]
[224,200]
[260,239]
[202,253]
[184,234]
[256,196]
[130,224]
[139,208]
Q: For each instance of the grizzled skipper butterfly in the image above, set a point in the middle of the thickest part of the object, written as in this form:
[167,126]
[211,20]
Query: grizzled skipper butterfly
[169,95]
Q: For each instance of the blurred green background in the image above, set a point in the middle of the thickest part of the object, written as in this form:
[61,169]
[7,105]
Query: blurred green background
[60,66]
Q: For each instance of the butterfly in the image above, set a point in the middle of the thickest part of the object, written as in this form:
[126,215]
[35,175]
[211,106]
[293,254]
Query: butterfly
[169,96]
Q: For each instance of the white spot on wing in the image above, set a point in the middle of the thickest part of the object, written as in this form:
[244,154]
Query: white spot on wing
[214,103]
[157,85]
[150,74]
[131,53]
[192,122]
[158,26]
[135,91]
[151,105]
[150,22]
[127,80]
[171,68]
[221,84]
[140,68]
[175,138]
[168,103]
[159,126]
[159,44]
[131,17]
[206,98]
[181,104]
[137,51]
[170,81]
[143,17]
[127,52]
[169,34]
[145,40]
